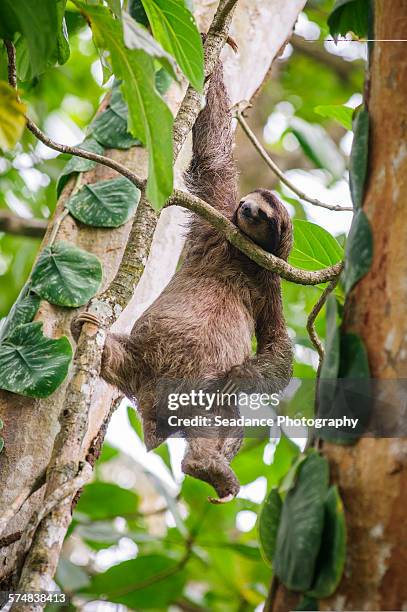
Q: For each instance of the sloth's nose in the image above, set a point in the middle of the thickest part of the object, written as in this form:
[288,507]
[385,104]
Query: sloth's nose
[247,210]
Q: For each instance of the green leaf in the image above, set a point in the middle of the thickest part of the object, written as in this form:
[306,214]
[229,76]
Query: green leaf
[307,603]
[110,130]
[359,157]
[107,203]
[37,21]
[289,479]
[135,421]
[314,247]
[103,500]
[137,37]
[31,364]
[136,10]
[359,251]
[354,360]
[70,577]
[342,114]
[174,27]
[331,558]
[148,582]
[79,164]
[23,311]
[63,50]
[1,444]
[66,275]
[12,117]
[300,529]
[349,16]
[330,364]
[162,81]
[318,146]
[149,117]
[269,520]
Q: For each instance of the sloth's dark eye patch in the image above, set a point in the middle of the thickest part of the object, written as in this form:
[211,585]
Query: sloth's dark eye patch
[262,215]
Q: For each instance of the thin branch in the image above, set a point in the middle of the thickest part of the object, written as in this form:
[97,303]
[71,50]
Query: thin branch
[19,501]
[19,226]
[67,490]
[253,251]
[274,168]
[316,341]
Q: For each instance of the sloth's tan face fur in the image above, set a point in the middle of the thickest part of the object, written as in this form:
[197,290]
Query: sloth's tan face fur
[262,217]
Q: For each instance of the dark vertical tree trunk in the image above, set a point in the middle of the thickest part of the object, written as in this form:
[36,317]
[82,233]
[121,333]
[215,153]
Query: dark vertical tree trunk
[372,475]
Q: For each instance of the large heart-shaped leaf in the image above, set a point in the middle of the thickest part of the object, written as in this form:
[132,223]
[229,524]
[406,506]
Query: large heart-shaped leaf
[106,203]
[31,364]
[301,524]
[23,311]
[149,581]
[331,558]
[66,275]
[12,117]
[269,520]
[174,27]
[359,157]
[149,117]
[79,164]
[110,130]
[314,248]
[359,251]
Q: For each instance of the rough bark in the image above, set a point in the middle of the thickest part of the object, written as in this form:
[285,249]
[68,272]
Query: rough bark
[372,475]
[31,425]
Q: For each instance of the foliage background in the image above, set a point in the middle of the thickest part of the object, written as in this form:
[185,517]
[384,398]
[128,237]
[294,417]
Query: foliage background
[152,535]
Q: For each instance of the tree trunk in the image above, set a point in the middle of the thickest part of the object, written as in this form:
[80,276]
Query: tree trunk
[260,28]
[372,475]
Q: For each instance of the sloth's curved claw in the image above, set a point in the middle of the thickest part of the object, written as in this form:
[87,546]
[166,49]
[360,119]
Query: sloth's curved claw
[83,317]
[221,500]
[88,317]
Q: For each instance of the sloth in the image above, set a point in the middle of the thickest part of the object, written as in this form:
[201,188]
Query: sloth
[202,325]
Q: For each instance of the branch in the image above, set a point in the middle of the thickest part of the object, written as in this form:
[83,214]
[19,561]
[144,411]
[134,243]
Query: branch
[274,168]
[19,501]
[253,251]
[14,224]
[68,489]
[316,341]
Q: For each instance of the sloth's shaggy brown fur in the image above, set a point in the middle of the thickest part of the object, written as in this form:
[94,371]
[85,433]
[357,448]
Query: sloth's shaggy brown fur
[202,324]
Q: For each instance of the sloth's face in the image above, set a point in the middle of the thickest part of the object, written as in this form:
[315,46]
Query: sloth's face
[262,217]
